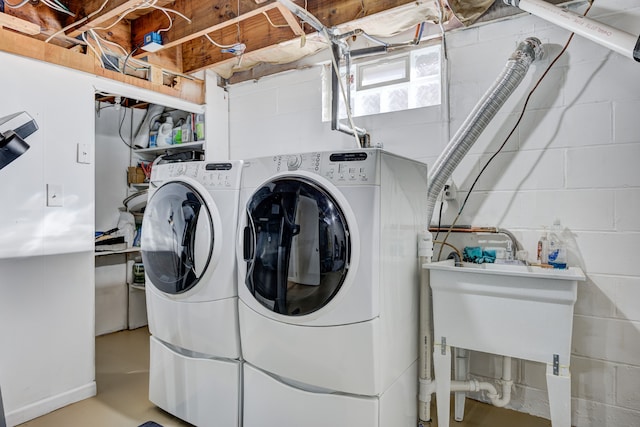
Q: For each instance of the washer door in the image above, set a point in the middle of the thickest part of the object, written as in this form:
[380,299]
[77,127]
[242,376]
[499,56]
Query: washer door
[177,238]
[296,246]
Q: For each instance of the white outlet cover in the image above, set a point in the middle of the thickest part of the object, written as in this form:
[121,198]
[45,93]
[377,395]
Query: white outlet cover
[55,195]
[84,153]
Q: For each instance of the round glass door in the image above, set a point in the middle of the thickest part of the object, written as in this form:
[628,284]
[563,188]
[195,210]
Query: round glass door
[296,246]
[177,238]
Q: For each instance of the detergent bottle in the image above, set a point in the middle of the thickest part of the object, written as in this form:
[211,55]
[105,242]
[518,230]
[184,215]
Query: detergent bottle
[557,247]
[165,133]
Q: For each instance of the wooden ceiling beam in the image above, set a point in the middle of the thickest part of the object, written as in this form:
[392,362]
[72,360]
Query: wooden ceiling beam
[331,15]
[206,16]
[258,33]
[102,13]
[98,13]
[17,24]
[255,32]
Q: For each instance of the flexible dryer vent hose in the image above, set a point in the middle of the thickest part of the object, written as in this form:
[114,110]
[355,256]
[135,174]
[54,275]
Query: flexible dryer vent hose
[485,110]
[506,83]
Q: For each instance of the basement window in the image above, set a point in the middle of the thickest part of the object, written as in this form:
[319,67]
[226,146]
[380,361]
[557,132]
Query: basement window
[393,83]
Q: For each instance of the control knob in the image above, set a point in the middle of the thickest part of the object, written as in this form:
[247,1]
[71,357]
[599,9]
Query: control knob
[294,162]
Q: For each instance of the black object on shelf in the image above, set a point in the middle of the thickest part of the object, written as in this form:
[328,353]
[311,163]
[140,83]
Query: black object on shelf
[11,147]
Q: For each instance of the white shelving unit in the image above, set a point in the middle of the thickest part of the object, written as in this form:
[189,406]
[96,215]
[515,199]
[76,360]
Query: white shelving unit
[120,303]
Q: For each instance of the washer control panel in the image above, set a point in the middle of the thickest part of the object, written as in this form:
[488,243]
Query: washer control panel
[212,175]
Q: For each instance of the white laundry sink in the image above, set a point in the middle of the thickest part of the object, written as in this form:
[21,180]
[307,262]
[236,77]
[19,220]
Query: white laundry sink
[513,310]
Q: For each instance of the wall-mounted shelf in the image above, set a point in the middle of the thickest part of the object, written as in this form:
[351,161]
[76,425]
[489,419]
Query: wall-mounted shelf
[123,251]
[140,186]
[156,151]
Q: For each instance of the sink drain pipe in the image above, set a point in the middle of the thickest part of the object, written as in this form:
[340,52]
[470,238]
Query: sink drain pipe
[612,38]
[512,75]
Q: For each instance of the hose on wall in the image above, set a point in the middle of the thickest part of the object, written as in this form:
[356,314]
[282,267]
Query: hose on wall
[512,75]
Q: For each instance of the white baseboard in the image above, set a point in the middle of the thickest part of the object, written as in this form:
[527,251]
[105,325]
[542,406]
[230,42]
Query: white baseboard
[50,404]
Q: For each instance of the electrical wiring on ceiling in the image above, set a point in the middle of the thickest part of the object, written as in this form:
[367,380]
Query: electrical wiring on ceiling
[76,23]
[221,46]
[52,4]
[165,10]
[513,129]
[237,48]
[271,22]
[101,52]
[229,46]
[104,51]
[170,22]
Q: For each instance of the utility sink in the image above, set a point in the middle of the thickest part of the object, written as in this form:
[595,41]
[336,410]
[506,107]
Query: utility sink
[512,310]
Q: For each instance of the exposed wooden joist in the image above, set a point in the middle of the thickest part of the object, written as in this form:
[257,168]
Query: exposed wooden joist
[18,24]
[330,15]
[188,89]
[291,19]
[102,14]
[206,17]
[257,33]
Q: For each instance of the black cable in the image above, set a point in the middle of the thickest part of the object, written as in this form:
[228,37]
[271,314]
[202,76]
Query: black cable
[439,220]
[120,127]
[124,64]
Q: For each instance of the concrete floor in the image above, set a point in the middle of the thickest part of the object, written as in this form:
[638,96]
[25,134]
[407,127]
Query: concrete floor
[122,376]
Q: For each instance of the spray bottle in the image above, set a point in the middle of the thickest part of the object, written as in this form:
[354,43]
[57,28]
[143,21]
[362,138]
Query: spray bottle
[543,248]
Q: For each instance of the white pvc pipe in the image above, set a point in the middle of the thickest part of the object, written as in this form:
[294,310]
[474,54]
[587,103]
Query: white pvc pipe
[425,346]
[612,38]
[460,374]
[506,384]
[492,392]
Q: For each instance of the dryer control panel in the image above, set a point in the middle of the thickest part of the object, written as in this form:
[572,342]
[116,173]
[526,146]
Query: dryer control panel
[348,167]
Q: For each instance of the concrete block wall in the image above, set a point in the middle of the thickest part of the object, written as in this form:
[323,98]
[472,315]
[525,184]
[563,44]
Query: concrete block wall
[574,157]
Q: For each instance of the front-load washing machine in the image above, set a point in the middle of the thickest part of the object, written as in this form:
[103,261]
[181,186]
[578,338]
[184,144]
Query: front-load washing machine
[188,252]
[328,286]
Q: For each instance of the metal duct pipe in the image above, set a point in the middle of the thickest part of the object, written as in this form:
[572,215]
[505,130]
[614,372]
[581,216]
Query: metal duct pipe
[512,75]
[612,38]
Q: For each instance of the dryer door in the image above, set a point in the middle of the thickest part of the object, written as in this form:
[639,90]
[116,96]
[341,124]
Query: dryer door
[177,238]
[296,246]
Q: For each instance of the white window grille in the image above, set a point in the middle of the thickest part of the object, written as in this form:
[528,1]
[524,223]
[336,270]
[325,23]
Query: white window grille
[393,83]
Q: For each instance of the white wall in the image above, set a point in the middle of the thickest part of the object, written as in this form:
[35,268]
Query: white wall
[46,253]
[46,270]
[574,157]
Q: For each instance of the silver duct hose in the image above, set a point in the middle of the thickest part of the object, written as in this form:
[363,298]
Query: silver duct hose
[484,111]
[512,75]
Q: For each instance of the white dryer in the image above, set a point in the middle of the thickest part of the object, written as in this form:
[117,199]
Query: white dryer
[188,252]
[328,288]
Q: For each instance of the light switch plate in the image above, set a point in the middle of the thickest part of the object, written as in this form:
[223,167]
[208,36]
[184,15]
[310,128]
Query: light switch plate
[84,153]
[55,195]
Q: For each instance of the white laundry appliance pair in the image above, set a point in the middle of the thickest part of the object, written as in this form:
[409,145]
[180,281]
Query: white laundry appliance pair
[328,285]
[188,250]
